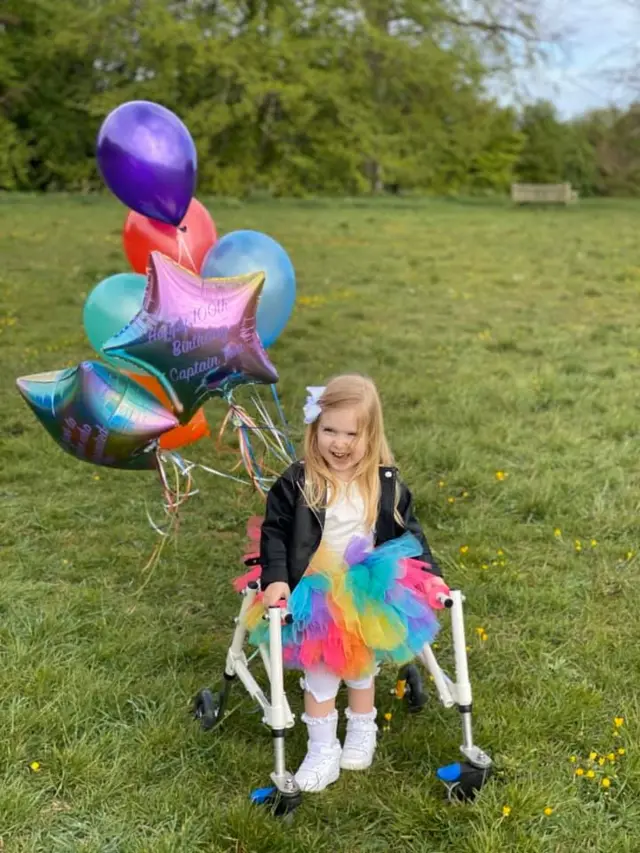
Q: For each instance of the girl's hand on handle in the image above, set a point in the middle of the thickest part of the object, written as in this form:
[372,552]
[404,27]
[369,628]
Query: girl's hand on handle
[436,590]
[274,592]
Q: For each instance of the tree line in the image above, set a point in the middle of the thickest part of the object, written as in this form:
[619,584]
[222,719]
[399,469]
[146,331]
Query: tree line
[294,97]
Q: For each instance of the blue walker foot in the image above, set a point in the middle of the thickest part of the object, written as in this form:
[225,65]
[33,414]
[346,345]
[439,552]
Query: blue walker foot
[261,795]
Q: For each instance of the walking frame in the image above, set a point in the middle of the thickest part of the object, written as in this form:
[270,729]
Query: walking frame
[462,779]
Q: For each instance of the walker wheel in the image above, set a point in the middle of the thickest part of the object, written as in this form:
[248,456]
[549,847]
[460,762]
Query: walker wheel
[279,804]
[209,708]
[414,694]
[463,780]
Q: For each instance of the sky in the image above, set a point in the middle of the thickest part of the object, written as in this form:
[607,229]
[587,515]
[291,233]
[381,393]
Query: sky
[599,39]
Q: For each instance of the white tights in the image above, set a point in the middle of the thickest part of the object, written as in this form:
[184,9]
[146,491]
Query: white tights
[323,684]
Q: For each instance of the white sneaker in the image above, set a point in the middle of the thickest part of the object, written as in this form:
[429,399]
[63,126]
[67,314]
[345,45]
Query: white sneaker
[359,744]
[321,767]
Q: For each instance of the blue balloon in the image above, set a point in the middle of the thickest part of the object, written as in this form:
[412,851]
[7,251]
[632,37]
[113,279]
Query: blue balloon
[112,305]
[241,252]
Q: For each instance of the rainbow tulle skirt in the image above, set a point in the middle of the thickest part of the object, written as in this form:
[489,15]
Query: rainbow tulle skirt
[353,612]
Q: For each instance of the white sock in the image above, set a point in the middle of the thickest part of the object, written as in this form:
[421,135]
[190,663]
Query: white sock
[322,730]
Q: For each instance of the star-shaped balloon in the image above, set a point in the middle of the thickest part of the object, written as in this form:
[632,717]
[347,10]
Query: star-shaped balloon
[196,335]
[98,415]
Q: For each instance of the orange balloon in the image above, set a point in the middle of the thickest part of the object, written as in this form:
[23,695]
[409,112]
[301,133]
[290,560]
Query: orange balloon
[179,436]
[187,244]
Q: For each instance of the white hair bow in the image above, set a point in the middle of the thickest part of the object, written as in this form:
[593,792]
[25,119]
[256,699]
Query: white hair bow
[312,408]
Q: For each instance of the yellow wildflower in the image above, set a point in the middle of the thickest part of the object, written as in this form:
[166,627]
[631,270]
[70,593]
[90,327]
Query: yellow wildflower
[465,494]
[388,716]
[464,549]
[506,811]
[557,532]
[594,543]
[611,756]
[548,811]
[312,299]
[593,756]
[591,774]
[621,751]
[500,552]
[577,545]
[579,772]
[601,761]
[606,782]
[35,766]
[451,500]
[441,483]
[618,721]
[479,631]
[485,566]
[501,475]
[573,759]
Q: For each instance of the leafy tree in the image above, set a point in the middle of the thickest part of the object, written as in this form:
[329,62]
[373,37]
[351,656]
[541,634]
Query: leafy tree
[287,96]
[543,152]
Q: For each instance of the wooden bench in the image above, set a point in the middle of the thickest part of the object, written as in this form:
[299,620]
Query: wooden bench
[543,194]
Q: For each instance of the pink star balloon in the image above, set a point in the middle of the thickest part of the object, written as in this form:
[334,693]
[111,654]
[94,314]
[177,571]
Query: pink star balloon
[196,335]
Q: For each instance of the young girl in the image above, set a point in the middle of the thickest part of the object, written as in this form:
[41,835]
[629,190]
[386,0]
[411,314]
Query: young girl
[337,541]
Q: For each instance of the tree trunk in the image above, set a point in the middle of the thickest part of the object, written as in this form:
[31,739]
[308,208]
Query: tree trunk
[377,13]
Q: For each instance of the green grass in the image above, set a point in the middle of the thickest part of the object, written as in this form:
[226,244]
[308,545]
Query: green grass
[501,340]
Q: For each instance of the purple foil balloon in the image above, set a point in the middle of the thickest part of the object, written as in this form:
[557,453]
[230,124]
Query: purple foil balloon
[196,335]
[148,160]
[98,415]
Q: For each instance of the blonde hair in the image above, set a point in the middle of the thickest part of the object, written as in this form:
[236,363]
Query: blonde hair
[350,390]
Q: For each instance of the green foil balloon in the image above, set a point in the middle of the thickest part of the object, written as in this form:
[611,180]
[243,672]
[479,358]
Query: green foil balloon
[98,415]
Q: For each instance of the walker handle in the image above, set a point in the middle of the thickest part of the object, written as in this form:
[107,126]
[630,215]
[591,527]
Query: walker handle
[285,617]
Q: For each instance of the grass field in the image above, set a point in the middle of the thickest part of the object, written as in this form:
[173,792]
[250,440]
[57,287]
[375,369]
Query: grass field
[506,345]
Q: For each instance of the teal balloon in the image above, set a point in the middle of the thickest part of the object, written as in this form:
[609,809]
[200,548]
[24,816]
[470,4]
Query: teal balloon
[110,307]
[242,252]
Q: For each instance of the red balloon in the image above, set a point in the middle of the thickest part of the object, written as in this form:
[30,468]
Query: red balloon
[187,244]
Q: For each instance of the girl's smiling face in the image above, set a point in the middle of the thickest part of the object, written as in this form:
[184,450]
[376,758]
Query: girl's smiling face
[341,441]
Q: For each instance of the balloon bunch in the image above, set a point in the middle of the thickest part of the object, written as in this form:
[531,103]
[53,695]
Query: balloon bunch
[191,322]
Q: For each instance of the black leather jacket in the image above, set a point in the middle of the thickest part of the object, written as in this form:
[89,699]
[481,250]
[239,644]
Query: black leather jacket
[291,531]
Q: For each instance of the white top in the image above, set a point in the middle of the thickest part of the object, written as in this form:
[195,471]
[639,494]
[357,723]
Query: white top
[345,519]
